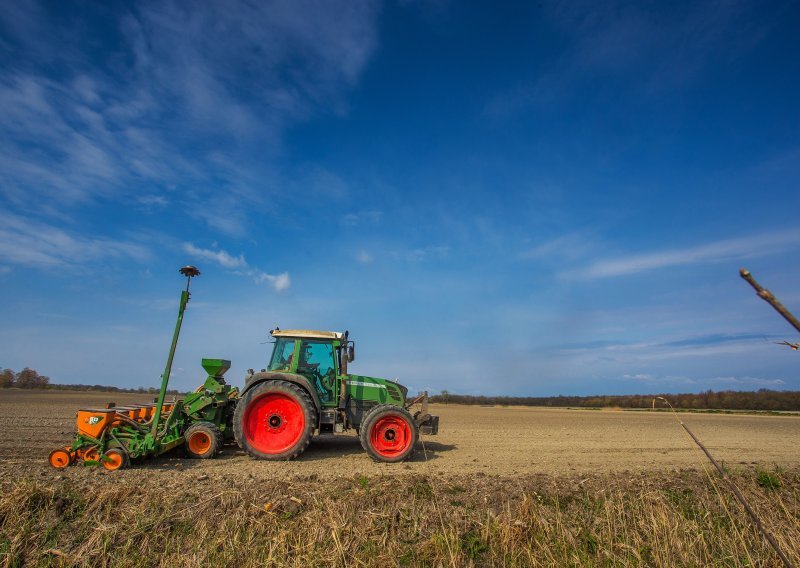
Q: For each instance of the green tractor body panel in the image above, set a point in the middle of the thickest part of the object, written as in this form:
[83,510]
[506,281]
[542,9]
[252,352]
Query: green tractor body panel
[378,391]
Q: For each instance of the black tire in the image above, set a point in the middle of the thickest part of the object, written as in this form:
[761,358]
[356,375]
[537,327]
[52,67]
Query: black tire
[246,425]
[203,441]
[381,415]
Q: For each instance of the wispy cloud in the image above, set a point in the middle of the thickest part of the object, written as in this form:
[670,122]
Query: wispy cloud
[29,242]
[639,377]
[729,382]
[724,250]
[673,345]
[748,381]
[239,265]
[219,256]
[153,200]
[356,218]
[432,252]
[565,247]
[183,91]
[665,46]
[364,257]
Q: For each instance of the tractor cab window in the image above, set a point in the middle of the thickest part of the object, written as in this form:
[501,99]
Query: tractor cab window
[282,355]
[316,363]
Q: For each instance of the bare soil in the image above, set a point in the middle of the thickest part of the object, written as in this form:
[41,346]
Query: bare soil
[508,442]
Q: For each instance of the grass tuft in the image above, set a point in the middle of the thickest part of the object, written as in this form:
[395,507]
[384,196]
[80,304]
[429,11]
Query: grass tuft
[769,479]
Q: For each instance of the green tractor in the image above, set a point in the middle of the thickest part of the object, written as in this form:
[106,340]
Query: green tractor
[306,389]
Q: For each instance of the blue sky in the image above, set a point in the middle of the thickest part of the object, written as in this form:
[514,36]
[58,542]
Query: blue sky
[494,198]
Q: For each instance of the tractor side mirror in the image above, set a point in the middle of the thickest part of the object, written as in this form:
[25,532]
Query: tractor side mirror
[351,353]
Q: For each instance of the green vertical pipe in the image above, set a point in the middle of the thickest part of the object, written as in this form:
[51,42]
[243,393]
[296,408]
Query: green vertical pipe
[168,369]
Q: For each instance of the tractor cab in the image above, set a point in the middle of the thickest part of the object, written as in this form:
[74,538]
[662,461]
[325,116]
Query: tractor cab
[319,356]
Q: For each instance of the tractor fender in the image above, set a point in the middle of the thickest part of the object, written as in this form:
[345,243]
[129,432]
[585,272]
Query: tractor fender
[299,380]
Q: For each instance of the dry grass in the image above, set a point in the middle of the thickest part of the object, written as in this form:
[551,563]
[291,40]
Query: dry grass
[679,519]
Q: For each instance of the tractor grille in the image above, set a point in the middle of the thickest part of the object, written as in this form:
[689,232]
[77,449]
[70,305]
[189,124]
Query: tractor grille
[394,392]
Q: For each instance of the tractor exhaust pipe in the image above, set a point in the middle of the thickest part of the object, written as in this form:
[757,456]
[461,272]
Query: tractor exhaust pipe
[343,361]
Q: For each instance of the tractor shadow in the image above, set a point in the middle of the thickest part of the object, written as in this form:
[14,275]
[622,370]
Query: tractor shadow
[326,447]
[332,447]
[427,451]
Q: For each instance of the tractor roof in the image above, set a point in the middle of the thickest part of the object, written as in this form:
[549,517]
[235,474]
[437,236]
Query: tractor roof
[309,333]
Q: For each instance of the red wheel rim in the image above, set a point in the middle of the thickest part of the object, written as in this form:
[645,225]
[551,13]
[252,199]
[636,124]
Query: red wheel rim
[273,423]
[390,436]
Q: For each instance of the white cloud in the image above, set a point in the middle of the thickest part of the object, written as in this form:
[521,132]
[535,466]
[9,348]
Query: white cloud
[749,381]
[29,242]
[239,265]
[639,377]
[221,257]
[719,382]
[724,250]
[215,76]
[280,281]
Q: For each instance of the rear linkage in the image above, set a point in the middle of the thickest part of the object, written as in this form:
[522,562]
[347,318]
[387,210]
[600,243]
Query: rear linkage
[427,423]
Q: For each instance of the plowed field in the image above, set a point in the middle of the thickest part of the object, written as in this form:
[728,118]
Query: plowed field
[487,440]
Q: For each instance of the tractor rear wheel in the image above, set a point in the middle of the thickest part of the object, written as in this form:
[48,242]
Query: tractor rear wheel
[389,434]
[275,420]
[203,440]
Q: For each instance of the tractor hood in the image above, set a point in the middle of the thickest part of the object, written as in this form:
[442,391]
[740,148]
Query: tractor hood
[377,390]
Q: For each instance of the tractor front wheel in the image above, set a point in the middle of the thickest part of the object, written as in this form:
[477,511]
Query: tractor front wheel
[389,434]
[275,420]
[203,440]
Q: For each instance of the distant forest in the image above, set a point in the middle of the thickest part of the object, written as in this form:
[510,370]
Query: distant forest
[762,399]
[28,378]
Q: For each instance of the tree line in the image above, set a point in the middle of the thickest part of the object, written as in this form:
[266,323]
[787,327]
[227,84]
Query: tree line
[29,378]
[762,399]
